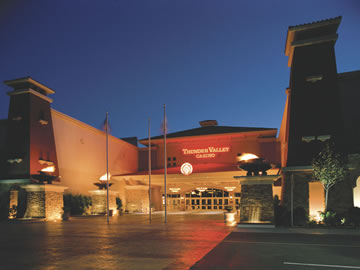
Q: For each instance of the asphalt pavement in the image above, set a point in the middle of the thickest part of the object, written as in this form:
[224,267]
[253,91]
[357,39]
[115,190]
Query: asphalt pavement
[294,249]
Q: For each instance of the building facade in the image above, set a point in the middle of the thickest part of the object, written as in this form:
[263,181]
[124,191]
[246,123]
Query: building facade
[44,152]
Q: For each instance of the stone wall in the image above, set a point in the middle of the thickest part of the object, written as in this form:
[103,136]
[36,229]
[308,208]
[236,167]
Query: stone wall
[137,199]
[54,204]
[98,198]
[256,203]
[156,198]
[341,196]
[35,204]
[300,191]
[44,201]
[14,194]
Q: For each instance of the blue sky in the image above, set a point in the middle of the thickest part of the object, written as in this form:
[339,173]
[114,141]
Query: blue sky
[204,59]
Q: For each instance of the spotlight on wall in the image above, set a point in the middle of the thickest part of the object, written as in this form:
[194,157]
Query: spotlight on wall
[230,188]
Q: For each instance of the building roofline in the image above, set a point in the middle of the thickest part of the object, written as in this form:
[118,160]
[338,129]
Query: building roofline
[355,73]
[305,26]
[172,136]
[30,80]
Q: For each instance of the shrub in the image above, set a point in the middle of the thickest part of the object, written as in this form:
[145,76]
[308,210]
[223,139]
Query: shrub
[76,204]
[282,216]
[301,218]
[329,218]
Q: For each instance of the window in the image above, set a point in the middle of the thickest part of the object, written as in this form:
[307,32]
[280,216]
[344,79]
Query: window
[314,78]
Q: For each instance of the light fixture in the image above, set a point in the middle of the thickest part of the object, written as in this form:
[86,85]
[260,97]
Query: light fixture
[104,177]
[230,188]
[201,189]
[174,189]
[48,169]
[246,156]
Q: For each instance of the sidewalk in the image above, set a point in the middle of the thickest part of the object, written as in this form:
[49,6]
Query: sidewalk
[301,230]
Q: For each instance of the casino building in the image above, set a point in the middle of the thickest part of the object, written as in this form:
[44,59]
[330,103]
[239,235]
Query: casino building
[44,153]
[202,163]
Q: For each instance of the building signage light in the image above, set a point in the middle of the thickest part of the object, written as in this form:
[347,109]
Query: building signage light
[209,152]
[186,168]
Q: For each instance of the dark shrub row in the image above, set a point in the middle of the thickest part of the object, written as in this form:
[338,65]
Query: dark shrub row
[76,204]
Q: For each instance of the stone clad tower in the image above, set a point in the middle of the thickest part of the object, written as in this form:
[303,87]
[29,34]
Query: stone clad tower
[314,105]
[30,162]
[30,137]
[313,112]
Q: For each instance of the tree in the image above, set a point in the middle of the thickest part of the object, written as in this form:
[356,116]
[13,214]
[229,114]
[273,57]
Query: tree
[329,168]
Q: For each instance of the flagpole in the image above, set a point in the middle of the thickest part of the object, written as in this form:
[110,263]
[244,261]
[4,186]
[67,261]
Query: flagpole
[165,162]
[107,166]
[149,145]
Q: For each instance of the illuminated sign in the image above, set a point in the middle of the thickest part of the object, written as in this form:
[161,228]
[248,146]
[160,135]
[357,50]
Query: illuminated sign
[186,168]
[209,152]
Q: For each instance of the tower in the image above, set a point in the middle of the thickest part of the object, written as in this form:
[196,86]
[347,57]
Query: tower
[314,105]
[313,113]
[30,144]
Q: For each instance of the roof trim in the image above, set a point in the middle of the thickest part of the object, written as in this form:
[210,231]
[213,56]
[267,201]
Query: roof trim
[28,79]
[315,24]
[232,133]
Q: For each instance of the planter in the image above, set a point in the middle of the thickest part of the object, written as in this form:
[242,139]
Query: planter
[229,218]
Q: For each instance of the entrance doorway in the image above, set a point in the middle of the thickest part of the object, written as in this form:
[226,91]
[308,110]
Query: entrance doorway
[204,199]
[210,199]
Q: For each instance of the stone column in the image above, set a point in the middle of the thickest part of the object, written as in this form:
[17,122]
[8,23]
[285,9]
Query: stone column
[98,198]
[14,195]
[44,201]
[137,198]
[256,204]
[300,190]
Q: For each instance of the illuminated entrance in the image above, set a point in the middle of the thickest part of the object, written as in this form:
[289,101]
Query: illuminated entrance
[203,199]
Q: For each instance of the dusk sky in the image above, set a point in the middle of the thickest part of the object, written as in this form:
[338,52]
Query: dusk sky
[204,59]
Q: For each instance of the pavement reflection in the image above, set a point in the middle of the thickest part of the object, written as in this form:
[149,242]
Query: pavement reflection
[128,242]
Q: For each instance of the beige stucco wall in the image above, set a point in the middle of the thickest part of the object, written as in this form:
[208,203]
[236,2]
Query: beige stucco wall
[316,199]
[81,154]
